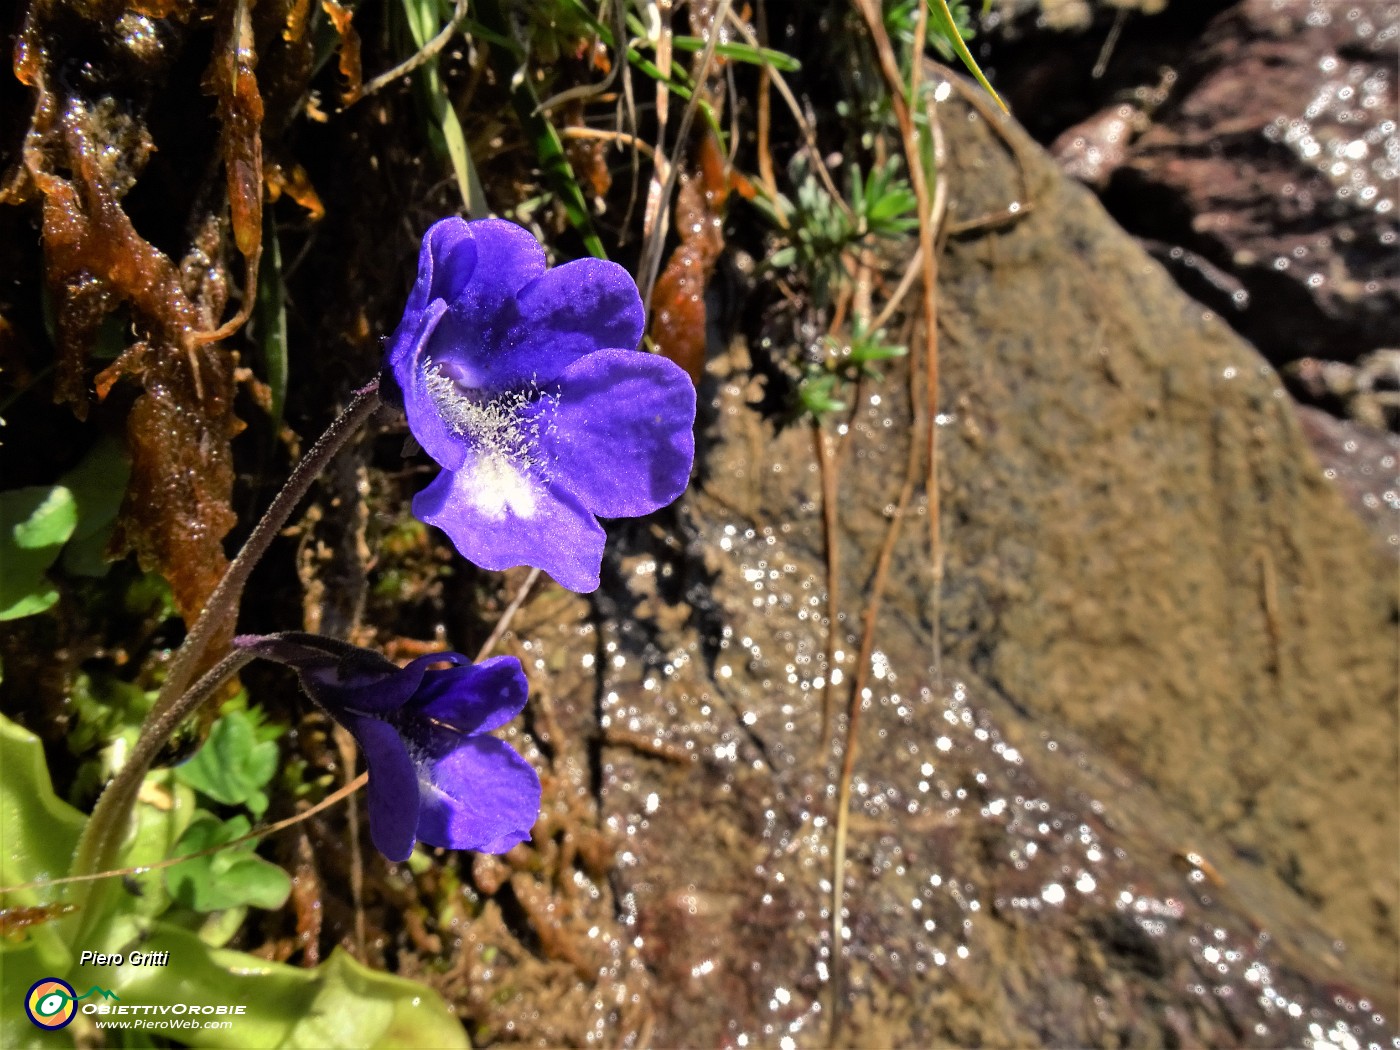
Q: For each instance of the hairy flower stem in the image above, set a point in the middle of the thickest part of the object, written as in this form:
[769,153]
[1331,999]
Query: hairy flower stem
[107,827]
[223,603]
[178,699]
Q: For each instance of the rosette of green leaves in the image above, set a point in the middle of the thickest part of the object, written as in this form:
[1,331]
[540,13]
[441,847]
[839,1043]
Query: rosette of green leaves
[340,1003]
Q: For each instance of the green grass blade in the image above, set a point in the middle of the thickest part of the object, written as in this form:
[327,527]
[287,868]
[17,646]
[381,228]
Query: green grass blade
[943,23]
[740,52]
[677,87]
[549,148]
[424,23]
[270,313]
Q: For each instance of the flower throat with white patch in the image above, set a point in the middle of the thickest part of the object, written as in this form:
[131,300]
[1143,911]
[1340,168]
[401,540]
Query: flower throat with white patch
[503,432]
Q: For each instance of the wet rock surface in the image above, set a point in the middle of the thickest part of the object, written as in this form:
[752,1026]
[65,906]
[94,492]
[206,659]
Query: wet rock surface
[1056,72]
[1276,160]
[1146,800]
[1255,153]
[1138,488]
[1364,463]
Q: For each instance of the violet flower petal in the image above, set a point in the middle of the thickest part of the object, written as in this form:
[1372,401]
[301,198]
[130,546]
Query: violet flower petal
[474,699]
[393,785]
[480,796]
[416,378]
[422,731]
[508,258]
[528,392]
[570,311]
[484,513]
[482,325]
[445,263]
[621,436]
[370,690]
[505,843]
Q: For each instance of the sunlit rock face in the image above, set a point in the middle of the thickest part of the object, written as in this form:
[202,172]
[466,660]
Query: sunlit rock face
[1149,799]
[1275,161]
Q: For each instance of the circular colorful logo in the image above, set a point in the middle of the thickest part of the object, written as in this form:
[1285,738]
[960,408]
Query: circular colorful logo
[51,1003]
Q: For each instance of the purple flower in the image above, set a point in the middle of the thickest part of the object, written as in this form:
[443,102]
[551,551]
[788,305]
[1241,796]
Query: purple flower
[434,773]
[525,386]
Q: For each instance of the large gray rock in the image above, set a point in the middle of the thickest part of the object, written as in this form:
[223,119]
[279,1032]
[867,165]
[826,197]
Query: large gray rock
[1151,798]
[1170,571]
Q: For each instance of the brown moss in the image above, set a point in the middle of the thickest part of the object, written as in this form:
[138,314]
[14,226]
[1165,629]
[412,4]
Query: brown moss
[232,81]
[678,318]
[341,17]
[86,147]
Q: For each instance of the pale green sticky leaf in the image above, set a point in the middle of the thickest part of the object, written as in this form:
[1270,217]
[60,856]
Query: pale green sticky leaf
[231,877]
[34,525]
[38,832]
[20,966]
[40,596]
[340,1003]
[40,517]
[233,766]
[98,485]
[218,927]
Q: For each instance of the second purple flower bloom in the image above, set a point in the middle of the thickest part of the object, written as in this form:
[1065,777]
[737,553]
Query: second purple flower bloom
[525,386]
